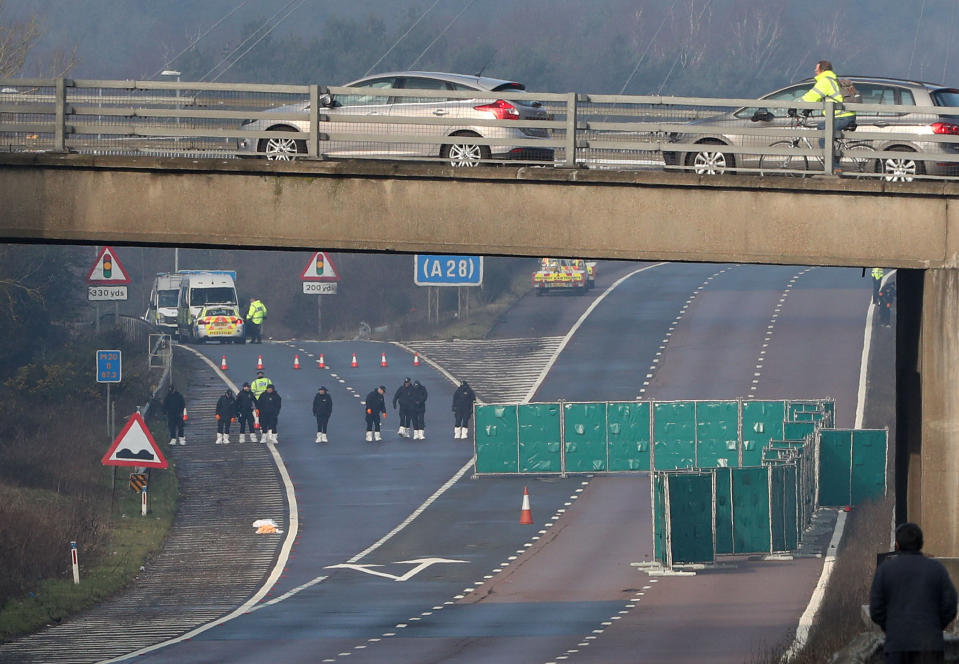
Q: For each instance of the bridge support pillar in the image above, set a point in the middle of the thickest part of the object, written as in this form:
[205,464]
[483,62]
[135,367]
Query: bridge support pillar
[928,403]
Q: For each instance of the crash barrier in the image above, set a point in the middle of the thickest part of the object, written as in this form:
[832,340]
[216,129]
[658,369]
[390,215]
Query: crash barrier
[700,514]
[597,437]
[216,120]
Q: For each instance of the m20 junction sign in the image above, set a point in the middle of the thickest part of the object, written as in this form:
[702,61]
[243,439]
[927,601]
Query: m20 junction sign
[444,270]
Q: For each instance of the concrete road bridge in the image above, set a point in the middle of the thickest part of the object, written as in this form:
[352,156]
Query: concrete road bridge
[535,211]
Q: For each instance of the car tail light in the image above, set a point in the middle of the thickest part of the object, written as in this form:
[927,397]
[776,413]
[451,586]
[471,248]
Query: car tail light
[945,128]
[503,110]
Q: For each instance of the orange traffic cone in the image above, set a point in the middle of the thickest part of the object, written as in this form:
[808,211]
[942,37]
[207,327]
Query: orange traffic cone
[185,416]
[383,360]
[223,363]
[321,363]
[354,363]
[296,361]
[259,361]
[526,516]
[416,359]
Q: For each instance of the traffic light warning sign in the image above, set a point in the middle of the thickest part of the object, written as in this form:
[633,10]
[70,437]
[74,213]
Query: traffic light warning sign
[108,269]
[320,268]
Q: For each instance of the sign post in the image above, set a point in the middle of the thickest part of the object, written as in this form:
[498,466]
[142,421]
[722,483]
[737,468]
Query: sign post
[446,270]
[319,278]
[109,370]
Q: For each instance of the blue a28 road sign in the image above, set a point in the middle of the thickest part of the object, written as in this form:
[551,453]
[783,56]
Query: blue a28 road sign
[109,368]
[447,270]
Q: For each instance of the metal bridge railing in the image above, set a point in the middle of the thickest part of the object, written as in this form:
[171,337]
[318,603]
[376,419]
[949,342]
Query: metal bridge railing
[700,135]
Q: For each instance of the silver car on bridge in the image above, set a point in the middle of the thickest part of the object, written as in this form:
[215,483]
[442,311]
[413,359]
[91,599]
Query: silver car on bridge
[715,133]
[484,107]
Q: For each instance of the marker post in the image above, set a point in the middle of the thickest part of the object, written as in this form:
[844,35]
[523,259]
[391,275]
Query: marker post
[143,501]
[76,564]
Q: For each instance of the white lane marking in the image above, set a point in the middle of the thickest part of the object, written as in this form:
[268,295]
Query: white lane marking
[420,565]
[281,560]
[288,594]
[576,326]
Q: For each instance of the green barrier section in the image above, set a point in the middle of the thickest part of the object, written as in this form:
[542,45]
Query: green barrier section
[539,436]
[750,489]
[724,510]
[658,488]
[777,524]
[584,429]
[497,439]
[799,430]
[791,508]
[835,467]
[628,431]
[868,464]
[674,435]
[690,517]
[783,517]
[762,422]
[717,434]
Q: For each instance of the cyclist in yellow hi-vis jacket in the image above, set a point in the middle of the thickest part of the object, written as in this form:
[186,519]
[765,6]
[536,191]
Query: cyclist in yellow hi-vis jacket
[827,88]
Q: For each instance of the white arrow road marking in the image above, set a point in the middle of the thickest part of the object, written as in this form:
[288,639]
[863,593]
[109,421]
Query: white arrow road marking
[421,564]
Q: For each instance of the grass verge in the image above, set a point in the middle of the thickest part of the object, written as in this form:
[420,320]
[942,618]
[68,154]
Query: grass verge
[131,540]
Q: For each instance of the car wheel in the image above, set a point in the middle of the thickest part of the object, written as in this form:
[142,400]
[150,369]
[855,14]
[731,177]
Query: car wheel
[281,148]
[710,161]
[901,169]
[464,155]
[781,164]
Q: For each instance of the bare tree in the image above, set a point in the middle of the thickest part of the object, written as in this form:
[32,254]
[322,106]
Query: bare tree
[18,38]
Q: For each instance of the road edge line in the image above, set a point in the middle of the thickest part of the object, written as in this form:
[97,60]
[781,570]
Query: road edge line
[284,555]
[815,601]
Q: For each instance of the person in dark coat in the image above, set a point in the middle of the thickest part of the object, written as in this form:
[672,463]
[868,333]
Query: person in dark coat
[404,397]
[322,409]
[375,407]
[912,599]
[174,405]
[418,396]
[463,399]
[887,298]
[245,405]
[225,412]
[269,405]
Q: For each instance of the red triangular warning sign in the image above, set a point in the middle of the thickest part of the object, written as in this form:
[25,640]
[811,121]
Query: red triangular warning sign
[108,269]
[135,447]
[320,268]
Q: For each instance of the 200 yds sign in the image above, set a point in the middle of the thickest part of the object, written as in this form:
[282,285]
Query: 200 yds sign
[319,287]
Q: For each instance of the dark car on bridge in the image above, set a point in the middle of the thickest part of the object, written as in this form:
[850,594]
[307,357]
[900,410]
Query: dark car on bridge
[907,130]
[406,109]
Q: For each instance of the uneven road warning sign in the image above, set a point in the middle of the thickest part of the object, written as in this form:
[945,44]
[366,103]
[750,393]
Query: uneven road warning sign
[135,447]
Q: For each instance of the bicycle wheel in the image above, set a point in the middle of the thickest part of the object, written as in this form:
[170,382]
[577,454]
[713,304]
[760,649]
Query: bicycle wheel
[857,163]
[791,165]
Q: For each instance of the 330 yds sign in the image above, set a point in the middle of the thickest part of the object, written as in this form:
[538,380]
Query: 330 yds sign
[446,270]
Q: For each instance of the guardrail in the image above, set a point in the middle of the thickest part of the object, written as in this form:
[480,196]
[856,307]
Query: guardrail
[571,130]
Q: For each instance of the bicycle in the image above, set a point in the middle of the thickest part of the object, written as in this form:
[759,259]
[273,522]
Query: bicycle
[797,165]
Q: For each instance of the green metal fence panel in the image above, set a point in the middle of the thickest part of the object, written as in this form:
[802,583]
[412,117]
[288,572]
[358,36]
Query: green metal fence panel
[762,422]
[658,489]
[584,432]
[777,521]
[674,435]
[497,439]
[835,467]
[717,434]
[539,438]
[791,527]
[691,518]
[868,465]
[724,510]
[627,423]
[797,430]
[750,490]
